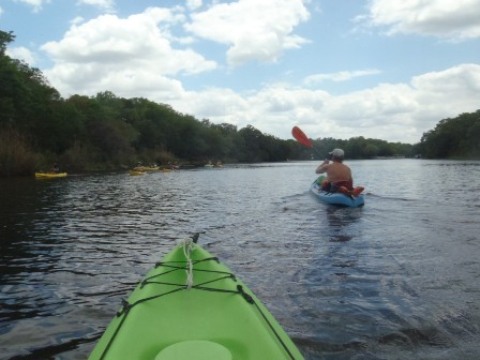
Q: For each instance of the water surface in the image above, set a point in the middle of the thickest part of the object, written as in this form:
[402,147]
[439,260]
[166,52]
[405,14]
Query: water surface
[396,279]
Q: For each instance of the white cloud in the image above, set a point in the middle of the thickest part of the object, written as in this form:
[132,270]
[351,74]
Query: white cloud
[22,53]
[194,4]
[392,112]
[402,112]
[107,5]
[339,76]
[217,104]
[448,92]
[455,20]
[106,54]
[253,30]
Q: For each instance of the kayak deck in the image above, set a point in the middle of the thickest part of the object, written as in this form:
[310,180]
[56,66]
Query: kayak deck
[218,316]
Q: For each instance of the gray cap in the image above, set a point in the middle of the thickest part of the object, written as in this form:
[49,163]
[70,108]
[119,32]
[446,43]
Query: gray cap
[338,153]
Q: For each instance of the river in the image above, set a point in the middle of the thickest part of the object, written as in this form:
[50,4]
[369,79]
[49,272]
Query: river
[396,279]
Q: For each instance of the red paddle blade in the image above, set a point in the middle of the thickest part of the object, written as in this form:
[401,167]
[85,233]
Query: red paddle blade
[300,136]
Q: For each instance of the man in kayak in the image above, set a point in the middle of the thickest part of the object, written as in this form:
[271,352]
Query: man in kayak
[339,175]
[55,168]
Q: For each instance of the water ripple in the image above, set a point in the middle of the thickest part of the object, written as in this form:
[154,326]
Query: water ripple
[395,279]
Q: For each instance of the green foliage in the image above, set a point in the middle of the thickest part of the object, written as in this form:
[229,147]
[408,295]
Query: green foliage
[16,157]
[38,127]
[453,138]
[5,39]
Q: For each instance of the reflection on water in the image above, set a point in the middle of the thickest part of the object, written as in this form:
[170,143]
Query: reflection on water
[396,279]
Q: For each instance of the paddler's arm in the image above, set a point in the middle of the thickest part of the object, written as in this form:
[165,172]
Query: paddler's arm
[322,167]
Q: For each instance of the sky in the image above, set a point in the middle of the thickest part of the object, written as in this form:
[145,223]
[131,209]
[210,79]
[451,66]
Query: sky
[383,69]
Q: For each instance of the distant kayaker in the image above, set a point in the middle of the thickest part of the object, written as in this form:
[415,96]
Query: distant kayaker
[55,168]
[338,174]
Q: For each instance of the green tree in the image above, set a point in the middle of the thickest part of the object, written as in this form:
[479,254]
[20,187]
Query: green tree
[453,138]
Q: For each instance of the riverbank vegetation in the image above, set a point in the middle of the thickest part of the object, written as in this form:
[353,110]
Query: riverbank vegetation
[457,138]
[105,132]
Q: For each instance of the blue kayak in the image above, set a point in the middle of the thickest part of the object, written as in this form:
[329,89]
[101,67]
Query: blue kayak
[337,198]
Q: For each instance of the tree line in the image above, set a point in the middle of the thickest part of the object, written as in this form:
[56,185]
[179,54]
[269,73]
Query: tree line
[457,138]
[105,132]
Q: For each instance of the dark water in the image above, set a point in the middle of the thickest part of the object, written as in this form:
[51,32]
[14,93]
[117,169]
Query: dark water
[397,279]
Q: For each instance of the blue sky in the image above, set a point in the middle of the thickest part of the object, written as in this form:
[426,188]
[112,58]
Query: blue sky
[380,68]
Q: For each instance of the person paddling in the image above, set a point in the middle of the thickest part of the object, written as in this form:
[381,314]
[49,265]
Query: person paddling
[339,175]
[55,168]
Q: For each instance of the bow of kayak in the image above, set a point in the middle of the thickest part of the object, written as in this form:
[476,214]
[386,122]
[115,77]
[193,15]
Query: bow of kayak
[191,304]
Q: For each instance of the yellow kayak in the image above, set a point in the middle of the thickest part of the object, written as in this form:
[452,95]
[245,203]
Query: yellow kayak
[136,172]
[146,168]
[50,175]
